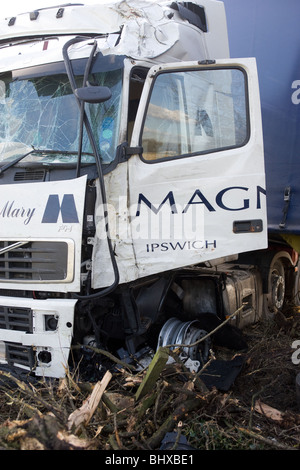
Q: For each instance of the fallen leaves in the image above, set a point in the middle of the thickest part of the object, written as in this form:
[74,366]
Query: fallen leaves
[268,411]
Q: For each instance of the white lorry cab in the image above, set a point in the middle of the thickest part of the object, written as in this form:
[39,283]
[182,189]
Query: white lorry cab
[131,179]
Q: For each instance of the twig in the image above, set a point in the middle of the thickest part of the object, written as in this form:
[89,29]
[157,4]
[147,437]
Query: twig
[113,443]
[117,432]
[179,426]
[169,423]
[107,354]
[254,396]
[266,440]
[157,402]
[26,406]
[26,390]
[197,381]
[211,359]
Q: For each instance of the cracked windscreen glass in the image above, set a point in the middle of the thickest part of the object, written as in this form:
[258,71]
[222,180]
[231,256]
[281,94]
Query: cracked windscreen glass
[40,112]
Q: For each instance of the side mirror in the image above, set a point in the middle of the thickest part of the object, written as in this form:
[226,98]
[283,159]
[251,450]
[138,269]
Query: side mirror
[93,94]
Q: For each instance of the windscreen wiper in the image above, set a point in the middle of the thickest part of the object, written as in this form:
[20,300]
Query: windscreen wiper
[59,152]
[40,152]
[13,162]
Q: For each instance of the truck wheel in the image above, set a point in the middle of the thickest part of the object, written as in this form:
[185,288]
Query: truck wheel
[295,286]
[188,334]
[276,285]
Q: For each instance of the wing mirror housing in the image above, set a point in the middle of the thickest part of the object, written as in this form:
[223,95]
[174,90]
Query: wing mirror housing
[93,94]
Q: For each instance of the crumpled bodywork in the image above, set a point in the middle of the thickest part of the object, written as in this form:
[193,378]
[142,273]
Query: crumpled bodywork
[138,29]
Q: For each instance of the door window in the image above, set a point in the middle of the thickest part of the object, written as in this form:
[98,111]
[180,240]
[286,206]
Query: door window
[193,112]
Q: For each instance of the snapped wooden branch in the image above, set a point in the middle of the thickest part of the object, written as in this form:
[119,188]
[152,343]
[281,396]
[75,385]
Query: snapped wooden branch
[155,368]
[86,411]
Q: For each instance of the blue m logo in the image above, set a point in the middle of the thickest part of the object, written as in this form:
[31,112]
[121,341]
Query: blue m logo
[67,209]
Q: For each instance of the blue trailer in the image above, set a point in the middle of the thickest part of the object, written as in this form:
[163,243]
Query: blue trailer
[269,31]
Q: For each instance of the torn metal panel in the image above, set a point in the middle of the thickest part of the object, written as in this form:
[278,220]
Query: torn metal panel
[134,28]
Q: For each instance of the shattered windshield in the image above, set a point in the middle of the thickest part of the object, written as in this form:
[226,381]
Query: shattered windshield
[39,111]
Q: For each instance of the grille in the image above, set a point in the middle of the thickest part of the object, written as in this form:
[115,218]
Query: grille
[34,261]
[16,318]
[18,355]
[30,175]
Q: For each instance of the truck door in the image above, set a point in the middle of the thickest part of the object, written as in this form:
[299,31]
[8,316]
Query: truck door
[197,186]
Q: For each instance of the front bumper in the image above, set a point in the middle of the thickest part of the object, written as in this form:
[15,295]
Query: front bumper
[36,335]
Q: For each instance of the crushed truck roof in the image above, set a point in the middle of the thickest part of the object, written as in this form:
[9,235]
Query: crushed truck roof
[138,29]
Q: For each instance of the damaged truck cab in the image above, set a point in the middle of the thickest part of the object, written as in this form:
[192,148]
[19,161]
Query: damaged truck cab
[131,178]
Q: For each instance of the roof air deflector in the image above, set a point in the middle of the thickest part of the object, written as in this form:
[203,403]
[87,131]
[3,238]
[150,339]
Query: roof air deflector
[194,14]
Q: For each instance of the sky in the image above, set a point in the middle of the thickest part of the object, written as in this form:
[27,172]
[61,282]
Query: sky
[13,7]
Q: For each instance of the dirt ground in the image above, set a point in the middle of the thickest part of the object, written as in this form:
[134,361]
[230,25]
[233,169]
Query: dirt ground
[259,411]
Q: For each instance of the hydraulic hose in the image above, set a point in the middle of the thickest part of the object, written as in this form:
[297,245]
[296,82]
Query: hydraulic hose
[86,122]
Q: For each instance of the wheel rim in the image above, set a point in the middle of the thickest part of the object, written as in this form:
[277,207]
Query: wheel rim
[276,285]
